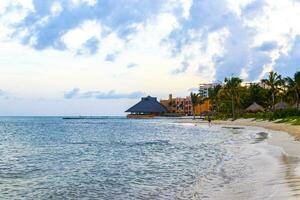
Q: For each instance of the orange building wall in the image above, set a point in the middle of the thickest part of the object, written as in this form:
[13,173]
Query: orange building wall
[203,108]
[187,110]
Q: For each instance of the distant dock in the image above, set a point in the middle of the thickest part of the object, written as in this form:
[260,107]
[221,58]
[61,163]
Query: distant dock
[84,117]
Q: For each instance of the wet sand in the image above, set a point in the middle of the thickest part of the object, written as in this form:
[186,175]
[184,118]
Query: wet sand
[284,136]
[293,130]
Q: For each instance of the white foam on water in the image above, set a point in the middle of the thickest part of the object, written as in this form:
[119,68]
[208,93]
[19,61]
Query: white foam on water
[297,170]
[253,171]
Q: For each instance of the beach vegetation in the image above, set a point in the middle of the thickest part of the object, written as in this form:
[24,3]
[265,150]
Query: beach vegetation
[195,101]
[213,94]
[293,88]
[274,82]
[279,96]
[231,92]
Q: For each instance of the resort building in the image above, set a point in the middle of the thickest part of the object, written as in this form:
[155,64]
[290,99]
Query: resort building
[148,107]
[203,108]
[248,84]
[203,89]
[183,106]
[178,105]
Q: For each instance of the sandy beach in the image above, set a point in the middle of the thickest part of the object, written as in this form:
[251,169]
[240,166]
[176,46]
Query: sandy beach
[289,142]
[293,130]
[284,136]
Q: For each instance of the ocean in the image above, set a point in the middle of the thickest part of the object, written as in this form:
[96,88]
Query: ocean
[118,158]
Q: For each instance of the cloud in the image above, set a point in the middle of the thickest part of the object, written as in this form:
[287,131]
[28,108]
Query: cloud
[112,94]
[182,69]
[91,45]
[6,95]
[202,40]
[247,37]
[56,8]
[201,31]
[288,63]
[111,57]
[268,46]
[253,9]
[131,65]
[64,18]
[88,2]
[2,93]
[72,94]
[87,35]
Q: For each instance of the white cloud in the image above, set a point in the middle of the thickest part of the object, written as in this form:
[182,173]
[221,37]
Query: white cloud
[186,5]
[24,4]
[149,36]
[75,38]
[56,8]
[237,5]
[279,22]
[19,9]
[111,44]
[148,48]
[88,2]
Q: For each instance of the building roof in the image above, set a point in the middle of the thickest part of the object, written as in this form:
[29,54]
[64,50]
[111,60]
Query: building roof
[281,105]
[148,105]
[295,106]
[254,107]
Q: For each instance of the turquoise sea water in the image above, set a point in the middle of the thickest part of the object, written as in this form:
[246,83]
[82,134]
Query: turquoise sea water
[118,158]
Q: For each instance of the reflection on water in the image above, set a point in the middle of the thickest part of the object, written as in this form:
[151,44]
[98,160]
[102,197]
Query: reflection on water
[117,158]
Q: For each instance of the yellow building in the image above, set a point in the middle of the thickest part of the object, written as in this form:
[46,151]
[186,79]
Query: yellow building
[183,106]
[205,107]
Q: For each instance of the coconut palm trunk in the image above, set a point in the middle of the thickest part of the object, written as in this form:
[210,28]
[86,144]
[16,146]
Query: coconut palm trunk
[194,116]
[273,100]
[194,101]
[293,87]
[232,107]
[297,99]
[274,82]
[232,86]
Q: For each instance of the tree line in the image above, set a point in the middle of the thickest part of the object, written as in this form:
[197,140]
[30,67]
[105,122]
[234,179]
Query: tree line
[232,96]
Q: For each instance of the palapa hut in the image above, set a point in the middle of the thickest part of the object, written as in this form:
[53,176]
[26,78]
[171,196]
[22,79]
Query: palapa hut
[254,108]
[146,108]
[281,105]
[295,106]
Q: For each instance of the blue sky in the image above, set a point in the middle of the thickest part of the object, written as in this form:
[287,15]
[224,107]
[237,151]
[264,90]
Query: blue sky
[97,57]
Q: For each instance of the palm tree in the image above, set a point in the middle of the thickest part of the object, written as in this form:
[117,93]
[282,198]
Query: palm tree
[274,82]
[213,95]
[293,86]
[232,87]
[201,101]
[257,94]
[195,101]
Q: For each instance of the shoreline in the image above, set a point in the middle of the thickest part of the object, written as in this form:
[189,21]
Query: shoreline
[286,136]
[283,136]
[293,130]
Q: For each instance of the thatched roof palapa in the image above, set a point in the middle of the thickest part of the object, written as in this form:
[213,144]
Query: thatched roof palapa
[295,106]
[281,105]
[147,105]
[254,107]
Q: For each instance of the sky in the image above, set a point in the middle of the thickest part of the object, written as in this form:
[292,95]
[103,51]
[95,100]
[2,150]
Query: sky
[98,57]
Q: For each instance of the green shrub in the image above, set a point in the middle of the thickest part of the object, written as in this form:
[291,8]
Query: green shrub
[290,112]
[278,114]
